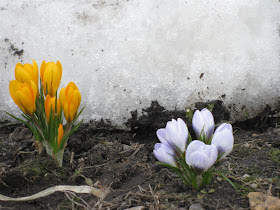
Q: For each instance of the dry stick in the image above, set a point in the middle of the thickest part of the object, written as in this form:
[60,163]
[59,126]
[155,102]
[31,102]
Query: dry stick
[267,196]
[72,157]
[77,189]
[3,182]
[155,197]
[86,206]
[141,189]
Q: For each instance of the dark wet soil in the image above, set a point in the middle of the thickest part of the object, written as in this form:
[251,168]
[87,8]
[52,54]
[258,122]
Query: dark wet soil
[122,161]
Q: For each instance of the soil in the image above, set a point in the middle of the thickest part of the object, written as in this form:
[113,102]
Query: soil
[122,161]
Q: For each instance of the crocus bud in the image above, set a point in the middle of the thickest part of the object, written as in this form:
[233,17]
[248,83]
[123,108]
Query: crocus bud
[175,134]
[70,99]
[224,126]
[24,95]
[26,73]
[50,74]
[165,154]
[201,156]
[60,134]
[223,139]
[50,105]
[203,124]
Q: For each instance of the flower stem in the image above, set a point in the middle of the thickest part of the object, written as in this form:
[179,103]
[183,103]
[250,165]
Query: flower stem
[198,181]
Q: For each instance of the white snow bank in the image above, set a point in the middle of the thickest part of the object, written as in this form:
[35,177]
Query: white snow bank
[125,54]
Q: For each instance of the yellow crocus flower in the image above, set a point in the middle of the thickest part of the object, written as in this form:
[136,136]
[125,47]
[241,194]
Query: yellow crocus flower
[60,134]
[70,99]
[50,74]
[27,72]
[24,95]
[50,104]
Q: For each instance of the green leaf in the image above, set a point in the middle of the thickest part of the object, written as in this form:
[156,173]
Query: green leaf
[211,191]
[26,123]
[203,191]
[73,122]
[227,179]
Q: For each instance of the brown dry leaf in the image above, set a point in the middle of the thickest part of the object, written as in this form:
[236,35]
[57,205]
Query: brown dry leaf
[62,188]
[260,201]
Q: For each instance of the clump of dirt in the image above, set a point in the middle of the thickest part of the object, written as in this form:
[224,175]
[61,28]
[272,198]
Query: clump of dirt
[123,162]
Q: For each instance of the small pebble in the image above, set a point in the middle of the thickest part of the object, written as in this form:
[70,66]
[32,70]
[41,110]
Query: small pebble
[219,179]
[126,147]
[196,206]
[265,183]
[245,176]
[255,135]
[246,145]
[276,130]
[276,115]
[254,185]
[268,145]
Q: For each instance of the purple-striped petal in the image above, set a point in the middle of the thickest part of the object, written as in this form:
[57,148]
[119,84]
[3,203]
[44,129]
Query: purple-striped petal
[165,154]
[203,123]
[201,156]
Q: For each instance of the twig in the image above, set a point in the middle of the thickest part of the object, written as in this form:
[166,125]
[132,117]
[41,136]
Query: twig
[155,198]
[141,189]
[267,196]
[86,206]
[77,189]
[3,183]
[72,157]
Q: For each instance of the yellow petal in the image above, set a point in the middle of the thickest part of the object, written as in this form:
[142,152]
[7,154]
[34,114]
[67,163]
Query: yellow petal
[51,78]
[70,94]
[58,106]
[59,67]
[50,105]
[47,106]
[42,70]
[76,99]
[79,97]
[18,66]
[22,75]
[72,111]
[62,97]
[28,68]
[70,98]
[71,85]
[66,112]
[34,89]
[60,134]
[25,98]
[13,88]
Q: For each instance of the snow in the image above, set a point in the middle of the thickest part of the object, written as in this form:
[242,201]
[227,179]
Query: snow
[124,54]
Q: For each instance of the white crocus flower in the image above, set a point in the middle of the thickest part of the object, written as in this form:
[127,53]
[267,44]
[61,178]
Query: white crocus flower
[165,154]
[223,139]
[203,124]
[223,127]
[174,134]
[201,156]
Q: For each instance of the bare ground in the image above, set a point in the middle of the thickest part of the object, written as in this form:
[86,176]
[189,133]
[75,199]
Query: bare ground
[123,162]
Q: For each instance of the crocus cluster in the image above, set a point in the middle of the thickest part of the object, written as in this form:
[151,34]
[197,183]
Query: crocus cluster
[41,106]
[192,159]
